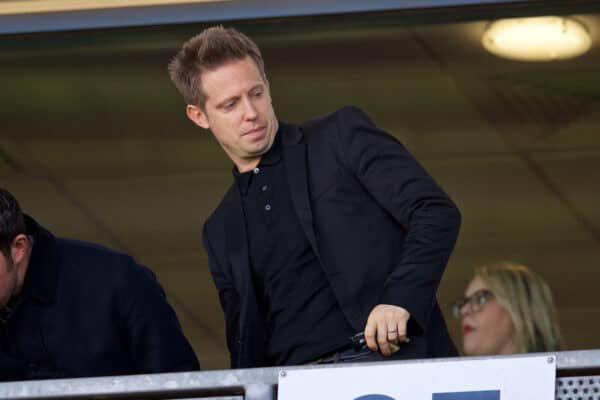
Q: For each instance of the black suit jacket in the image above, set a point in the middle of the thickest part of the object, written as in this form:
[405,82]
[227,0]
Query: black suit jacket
[89,311]
[380,226]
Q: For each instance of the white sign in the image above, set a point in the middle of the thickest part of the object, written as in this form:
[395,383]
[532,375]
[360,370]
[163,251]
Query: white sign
[512,378]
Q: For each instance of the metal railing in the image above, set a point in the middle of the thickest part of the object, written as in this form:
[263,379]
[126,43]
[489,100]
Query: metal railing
[578,378]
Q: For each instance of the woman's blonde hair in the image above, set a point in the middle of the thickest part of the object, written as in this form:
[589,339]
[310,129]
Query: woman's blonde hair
[528,300]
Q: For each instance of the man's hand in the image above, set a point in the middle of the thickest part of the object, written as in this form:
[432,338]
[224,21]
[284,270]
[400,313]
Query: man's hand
[386,328]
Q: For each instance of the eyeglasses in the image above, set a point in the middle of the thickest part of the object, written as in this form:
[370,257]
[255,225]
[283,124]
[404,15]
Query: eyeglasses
[475,302]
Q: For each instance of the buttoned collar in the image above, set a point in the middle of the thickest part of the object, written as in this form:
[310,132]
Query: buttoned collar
[271,157]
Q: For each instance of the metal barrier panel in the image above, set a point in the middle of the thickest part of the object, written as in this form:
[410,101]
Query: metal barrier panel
[578,388]
[577,379]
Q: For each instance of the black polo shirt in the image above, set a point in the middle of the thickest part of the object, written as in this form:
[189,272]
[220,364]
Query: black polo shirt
[303,318]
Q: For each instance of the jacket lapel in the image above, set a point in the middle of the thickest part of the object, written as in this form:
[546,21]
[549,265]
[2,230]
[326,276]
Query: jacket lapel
[294,158]
[237,242]
[251,339]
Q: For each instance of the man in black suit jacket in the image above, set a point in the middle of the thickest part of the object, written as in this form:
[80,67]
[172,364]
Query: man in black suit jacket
[329,229]
[75,309]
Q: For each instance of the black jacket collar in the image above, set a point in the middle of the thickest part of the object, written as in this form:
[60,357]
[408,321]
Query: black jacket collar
[42,272]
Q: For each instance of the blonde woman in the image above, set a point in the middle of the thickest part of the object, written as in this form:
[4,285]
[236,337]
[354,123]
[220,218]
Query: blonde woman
[507,309]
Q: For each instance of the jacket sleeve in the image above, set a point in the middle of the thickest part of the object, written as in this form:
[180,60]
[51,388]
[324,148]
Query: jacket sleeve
[156,339]
[406,191]
[228,297]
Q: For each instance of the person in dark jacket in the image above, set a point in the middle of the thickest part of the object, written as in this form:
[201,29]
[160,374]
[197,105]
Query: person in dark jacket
[330,228]
[76,309]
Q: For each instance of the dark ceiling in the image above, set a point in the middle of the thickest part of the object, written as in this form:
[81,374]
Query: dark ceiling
[95,144]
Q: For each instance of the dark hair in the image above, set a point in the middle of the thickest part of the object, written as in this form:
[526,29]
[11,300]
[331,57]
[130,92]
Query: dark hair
[208,50]
[12,222]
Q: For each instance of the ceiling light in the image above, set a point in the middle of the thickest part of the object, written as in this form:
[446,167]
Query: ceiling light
[537,39]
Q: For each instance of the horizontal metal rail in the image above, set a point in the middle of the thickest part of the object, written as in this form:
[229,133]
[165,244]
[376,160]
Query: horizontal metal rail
[576,371]
[203,12]
[231,10]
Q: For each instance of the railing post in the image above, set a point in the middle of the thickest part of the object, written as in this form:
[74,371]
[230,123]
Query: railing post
[259,391]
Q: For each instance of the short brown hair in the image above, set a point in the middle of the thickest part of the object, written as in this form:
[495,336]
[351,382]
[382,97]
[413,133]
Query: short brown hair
[208,50]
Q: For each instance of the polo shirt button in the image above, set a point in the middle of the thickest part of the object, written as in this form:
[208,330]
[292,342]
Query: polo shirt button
[264,188]
[268,207]
[256,170]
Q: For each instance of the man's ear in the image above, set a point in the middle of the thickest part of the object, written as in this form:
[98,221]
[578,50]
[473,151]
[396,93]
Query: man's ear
[19,247]
[197,116]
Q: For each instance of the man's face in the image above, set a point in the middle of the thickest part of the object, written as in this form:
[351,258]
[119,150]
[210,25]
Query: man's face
[238,111]
[8,277]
